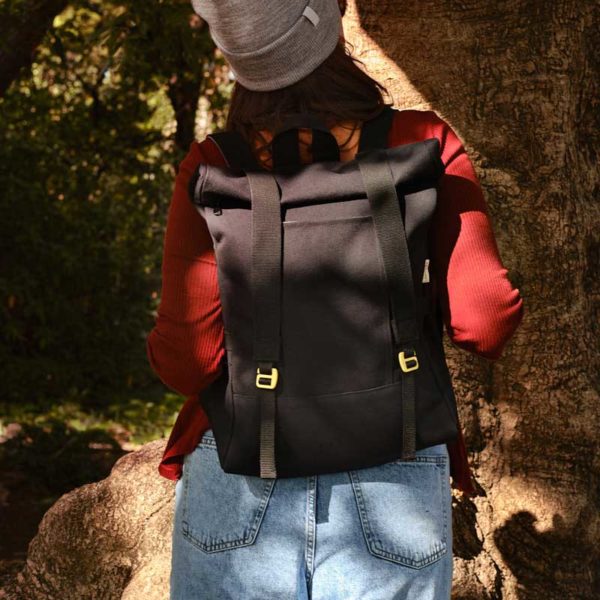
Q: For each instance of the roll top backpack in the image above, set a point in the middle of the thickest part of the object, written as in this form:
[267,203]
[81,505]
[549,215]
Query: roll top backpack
[333,336]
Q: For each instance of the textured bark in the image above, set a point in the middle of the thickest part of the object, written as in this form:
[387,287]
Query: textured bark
[184,92]
[518,81]
[109,540]
[20,35]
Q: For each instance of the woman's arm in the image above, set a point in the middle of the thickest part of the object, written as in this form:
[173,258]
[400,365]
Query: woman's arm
[185,346]
[481,308]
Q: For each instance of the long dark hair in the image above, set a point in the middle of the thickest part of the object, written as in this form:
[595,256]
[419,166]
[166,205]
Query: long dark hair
[338,91]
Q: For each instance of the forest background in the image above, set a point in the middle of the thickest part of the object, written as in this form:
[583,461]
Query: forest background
[99,102]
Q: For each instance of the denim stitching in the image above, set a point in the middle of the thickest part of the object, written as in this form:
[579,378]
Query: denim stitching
[250,536]
[372,541]
[185,495]
[446,474]
[208,442]
[434,458]
[245,541]
[309,551]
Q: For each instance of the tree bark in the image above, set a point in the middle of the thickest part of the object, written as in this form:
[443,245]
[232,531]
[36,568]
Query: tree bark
[184,93]
[518,81]
[109,540]
[21,33]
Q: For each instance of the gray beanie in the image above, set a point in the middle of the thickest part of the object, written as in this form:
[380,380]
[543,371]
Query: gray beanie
[270,44]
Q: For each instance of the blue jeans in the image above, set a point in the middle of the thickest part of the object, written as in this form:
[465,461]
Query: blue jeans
[379,533]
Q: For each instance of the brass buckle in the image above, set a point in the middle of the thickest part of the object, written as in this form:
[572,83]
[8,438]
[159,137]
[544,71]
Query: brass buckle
[270,377]
[408,363]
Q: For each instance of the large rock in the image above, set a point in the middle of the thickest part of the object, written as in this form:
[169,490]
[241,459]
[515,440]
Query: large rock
[104,540]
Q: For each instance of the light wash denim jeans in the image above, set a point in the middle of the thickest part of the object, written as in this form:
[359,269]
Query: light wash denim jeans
[380,533]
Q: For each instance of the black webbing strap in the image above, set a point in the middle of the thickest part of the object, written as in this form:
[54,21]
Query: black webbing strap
[389,228]
[266,295]
[235,150]
[286,152]
[324,146]
[374,135]
[375,131]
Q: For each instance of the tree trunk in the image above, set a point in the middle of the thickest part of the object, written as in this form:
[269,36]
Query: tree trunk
[184,92]
[21,33]
[517,80]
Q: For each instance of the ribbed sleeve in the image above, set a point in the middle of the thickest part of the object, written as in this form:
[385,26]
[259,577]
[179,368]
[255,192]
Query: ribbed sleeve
[481,308]
[186,344]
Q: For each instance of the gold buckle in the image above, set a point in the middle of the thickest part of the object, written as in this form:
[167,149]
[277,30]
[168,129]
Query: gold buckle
[405,360]
[271,377]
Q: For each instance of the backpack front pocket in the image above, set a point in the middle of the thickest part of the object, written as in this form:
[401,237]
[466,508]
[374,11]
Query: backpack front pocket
[335,326]
[403,509]
[220,511]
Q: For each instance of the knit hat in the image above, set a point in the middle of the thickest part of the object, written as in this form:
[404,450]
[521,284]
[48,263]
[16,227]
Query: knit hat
[270,44]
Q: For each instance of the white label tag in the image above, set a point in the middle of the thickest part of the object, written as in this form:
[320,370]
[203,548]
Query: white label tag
[426,271]
[311,15]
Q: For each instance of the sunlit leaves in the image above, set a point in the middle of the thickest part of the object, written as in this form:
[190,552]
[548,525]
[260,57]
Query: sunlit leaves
[87,152]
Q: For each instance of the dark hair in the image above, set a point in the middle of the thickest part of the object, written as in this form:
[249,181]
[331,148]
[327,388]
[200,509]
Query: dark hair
[338,91]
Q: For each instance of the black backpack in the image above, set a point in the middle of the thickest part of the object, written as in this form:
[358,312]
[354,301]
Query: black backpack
[333,338]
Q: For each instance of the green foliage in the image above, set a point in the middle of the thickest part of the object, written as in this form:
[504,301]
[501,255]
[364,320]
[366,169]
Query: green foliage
[48,449]
[87,154]
[128,419]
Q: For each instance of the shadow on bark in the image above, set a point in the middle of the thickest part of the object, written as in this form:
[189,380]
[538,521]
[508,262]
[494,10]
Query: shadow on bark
[547,564]
[518,82]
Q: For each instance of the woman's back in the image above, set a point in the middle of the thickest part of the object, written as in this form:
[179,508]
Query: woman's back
[186,346]
[364,533]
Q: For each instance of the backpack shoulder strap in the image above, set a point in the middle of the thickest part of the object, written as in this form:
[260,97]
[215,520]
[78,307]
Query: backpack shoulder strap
[238,155]
[375,131]
[235,150]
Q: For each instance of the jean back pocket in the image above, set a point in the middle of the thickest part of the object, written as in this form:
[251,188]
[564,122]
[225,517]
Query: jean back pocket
[220,511]
[404,509]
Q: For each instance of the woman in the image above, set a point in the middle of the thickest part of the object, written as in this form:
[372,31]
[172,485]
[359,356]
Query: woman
[379,533]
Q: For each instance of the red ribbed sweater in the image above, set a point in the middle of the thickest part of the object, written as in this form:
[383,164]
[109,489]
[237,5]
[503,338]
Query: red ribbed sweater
[481,308]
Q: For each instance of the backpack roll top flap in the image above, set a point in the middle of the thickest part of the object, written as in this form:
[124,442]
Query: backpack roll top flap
[414,166]
[340,396]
